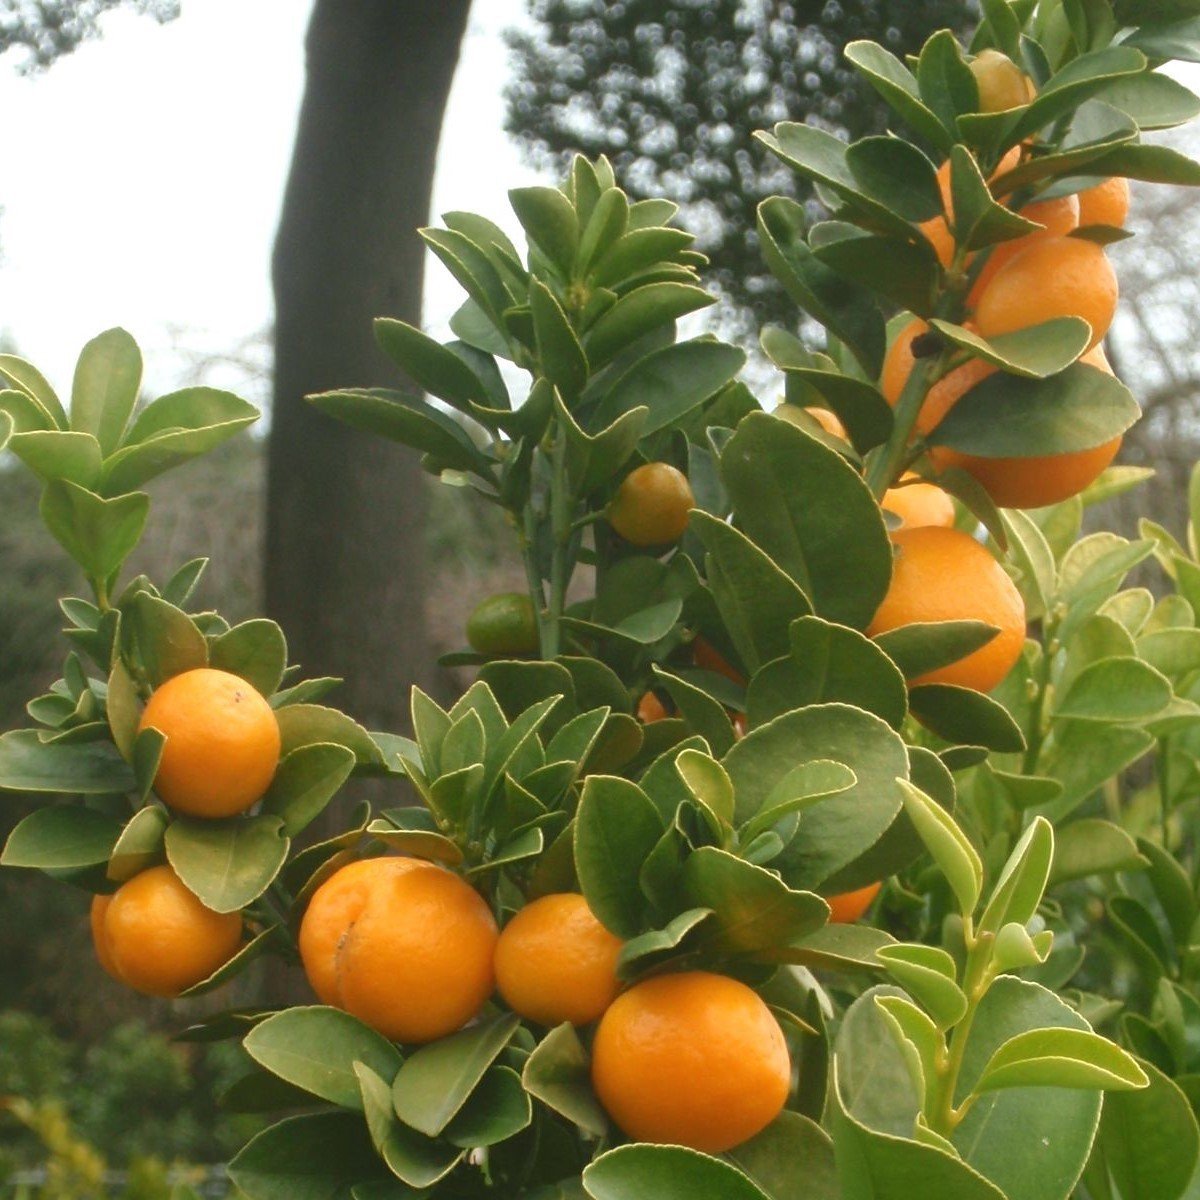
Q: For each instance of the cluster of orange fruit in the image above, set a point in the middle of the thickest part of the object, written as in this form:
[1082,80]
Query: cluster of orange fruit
[220,755]
[412,950]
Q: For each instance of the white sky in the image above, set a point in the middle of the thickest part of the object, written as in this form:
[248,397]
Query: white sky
[141,178]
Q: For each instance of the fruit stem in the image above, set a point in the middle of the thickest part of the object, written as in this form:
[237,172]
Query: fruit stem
[533,575]
[1033,748]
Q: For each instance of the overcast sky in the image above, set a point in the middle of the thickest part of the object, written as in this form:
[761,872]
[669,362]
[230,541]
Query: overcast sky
[141,178]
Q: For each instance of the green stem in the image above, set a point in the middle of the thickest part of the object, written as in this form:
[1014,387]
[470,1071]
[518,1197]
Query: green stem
[886,467]
[533,575]
[561,531]
[945,1117]
[1033,748]
[100,589]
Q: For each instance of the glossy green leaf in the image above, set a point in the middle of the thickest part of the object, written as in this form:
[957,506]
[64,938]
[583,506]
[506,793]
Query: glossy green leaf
[966,717]
[558,1074]
[61,837]
[228,863]
[637,313]
[1035,352]
[52,454]
[1061,1058]
[897,85]
[98,534]
[635,1172]
[1092,846]
[26,378]
[255,650]
[82,768]
[928,974]
[433,367]
[163,639]
[1115,689]
[105,389]
[925,646]
[946,842]
[305,781]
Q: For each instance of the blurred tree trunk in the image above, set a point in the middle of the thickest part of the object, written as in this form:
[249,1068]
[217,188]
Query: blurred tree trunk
[345,512]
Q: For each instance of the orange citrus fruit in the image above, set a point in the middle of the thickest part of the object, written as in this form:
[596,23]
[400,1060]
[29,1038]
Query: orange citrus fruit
[794,415]
[403,944]
[222,743]
[1105,204]
[937,229]
[1052,277]
[504,624]
[155,936]
[848,907]
[555,962]
[651,505]
[1029,482]
[693,1059]
[706,656]
[945,575]
[650,709]
[918,503]
[1057,217]
[1002,84]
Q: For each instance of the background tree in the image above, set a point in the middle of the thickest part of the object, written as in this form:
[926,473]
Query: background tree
[344,547]
[48,29]
[673,91]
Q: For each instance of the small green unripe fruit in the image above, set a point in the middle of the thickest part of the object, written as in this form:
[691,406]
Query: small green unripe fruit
[504,624]
[1002,84]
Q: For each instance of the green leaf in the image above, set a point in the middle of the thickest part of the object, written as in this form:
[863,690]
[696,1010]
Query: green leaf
[704,715]
[928,974]
[1034,353]
[255,651]
[561,356]
[1148,1142]
[905,273]
[304,724]
[897,85]
[828,663]
[945,81]
[107,378]
[81,768]
[636,1172]
[413,1158]
[925,646]
[804,504]
[609,218]
[895,173]
[147,756]
[98,534]
[1082,77]
[313,1157]
[51,454]
[800,789]
[315,1048]
[593,461]
[499,1108]
[637,313]
[837,831]
[965,717]
[946,842]
[26,378]
[435,1081]
[756,599]
[549,222]
[163,639]
[1153,100]
[755,914]
[1092,847]
[434,368]
[304,783]
[228,863]
[558,1074]
[140,844]
[62,837]
[770,1159]
[1019,888]
[1077,409]
[1061,1058]
[670,382]
[1153,164]
[472,268]
[1115,689]
[846,309]
[616,827]
[172,430]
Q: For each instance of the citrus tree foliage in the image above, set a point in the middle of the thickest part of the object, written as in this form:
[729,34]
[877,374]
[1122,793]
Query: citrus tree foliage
[698,724]
[672,93]
[48,29]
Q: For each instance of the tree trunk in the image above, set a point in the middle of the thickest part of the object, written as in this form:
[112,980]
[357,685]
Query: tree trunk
[345,512]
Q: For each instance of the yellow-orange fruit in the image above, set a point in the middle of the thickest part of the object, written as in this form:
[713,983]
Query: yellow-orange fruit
[1105,204]
[555,962]
[404,945]
[651,505]
[919,504]
[944,575]
[693,1059]
[848,907]
[1057,217]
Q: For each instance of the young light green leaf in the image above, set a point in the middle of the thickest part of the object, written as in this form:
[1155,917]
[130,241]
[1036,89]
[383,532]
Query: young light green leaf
[1061,1058]
[946,842]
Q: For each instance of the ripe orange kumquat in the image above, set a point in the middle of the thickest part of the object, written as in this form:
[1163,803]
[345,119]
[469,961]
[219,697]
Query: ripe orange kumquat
[1057,217]
[828,421]
[917,503]
[1002,84]
[692,1059]
[650,709]
[1105,204]
[938,229]
[222,744]
[651,505]
[708,658]
[945,575]
[555,962]
[155,936]
[1052,277]
[848,907]
[403,944]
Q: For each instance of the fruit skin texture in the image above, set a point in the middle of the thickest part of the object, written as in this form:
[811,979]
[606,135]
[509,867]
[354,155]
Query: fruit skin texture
[706,656]
[651,505]
[1057,217]
[504,624]
[827,420]
[944,575]
[848,907]
[693,1059]
[1105,204]
[650,709]
[222,743]
[555,962]
[156,937]
[404,945]
[1054,277]
[1002,84]
[937,229]
[1029,482]
[918,504]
